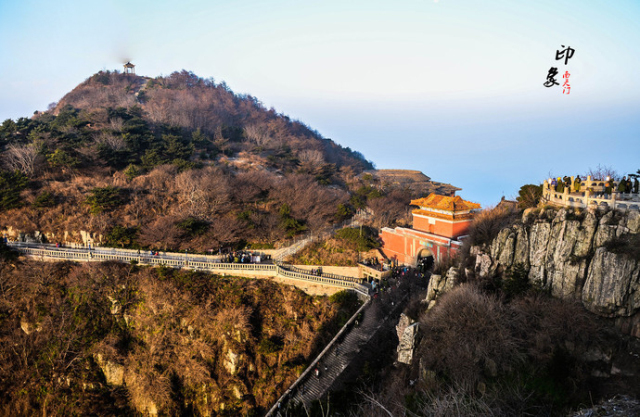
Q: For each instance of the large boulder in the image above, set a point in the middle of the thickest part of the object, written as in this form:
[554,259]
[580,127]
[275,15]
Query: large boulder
[113,371]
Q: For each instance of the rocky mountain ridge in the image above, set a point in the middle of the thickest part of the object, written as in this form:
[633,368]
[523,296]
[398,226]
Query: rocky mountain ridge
[590,257]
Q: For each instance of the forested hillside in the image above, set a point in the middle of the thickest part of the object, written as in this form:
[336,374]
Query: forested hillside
[175,162]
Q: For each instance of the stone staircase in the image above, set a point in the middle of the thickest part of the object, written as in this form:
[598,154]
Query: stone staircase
[336,358]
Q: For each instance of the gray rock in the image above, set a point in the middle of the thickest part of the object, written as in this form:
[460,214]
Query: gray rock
[403,323]
[568,257]
[612,287]
[407,344]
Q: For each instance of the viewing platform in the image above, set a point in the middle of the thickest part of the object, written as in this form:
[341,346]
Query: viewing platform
[592,194]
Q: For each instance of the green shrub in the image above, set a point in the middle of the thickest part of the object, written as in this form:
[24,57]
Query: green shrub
[11,184]
[517,281]
[192,226]
[628,244]
[132,171]
[344,298]
[45,199]
[256,246]
[122,236]
[529,195]
[365,237]
[290,225]
[343,212]
[270,346]
[104,199]
[60,158]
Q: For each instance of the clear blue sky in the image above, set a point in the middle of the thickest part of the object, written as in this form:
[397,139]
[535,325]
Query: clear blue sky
[450,87]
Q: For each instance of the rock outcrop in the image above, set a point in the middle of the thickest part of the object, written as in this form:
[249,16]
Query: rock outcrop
[407,335]
[576,256]
[439,285]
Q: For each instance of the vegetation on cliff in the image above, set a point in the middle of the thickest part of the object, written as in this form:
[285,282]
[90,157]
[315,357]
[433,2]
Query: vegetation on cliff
[342,249]
[117,339]
[483,354]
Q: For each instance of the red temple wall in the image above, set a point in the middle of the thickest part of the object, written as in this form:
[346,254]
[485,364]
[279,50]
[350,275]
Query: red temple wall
[450,230]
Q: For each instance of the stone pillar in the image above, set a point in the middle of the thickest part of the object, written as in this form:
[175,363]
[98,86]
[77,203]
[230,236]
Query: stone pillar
[587,195]
[614,192]
[565,195]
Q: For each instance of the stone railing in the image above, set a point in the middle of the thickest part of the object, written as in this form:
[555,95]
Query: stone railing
[343,282]
[292,268]
[586,199]
[591,194]
[175,261]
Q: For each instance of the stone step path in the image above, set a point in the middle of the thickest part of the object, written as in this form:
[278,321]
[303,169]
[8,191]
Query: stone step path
[338,358]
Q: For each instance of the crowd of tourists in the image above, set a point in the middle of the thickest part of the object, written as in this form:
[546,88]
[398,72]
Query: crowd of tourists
[625,186]
[244,257]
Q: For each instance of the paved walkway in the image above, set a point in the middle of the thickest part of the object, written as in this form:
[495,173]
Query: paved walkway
[177,260]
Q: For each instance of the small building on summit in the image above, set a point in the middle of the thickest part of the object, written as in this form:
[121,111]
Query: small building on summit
[439,224]
[129,68]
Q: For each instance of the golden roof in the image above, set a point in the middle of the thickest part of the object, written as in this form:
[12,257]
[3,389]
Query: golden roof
[443,202]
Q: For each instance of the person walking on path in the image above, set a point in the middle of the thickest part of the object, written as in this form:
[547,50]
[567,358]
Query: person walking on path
[629,185]
[560,186]
[636,183]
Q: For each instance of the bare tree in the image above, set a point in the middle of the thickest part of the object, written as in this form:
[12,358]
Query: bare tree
[116,124]
[23,158]
[107,139]
[258,134]
[602,172]
[161,233]
[311,160]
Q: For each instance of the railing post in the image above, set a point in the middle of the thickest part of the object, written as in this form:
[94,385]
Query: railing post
[613,198]
[587,196]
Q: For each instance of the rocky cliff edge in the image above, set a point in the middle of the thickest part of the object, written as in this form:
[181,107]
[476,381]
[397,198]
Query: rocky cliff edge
[589,256]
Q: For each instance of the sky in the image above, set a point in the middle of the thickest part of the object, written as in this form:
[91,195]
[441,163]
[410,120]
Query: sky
[453,88]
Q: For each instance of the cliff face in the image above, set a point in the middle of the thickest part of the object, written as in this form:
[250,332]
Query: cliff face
[588,257]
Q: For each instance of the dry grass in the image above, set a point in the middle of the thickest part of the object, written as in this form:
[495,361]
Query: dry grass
[488,223]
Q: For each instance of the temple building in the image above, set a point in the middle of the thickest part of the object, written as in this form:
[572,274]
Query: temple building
[439,224]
